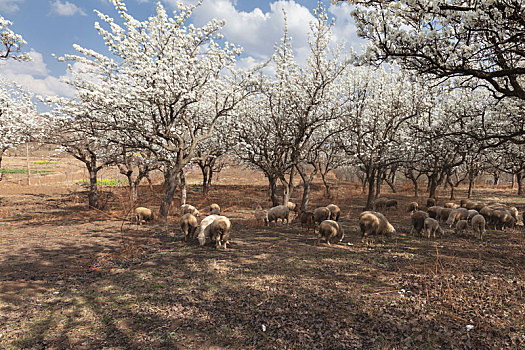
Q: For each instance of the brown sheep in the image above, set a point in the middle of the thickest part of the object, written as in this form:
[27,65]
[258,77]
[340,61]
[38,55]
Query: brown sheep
[391,203]
[187,208]
[142,213]
[434,212]
[456,215]
[279,212]
[220,231]
[478,225]
[188,225]
[431,202]
[261,216]
[431,227]
[215,209]
[329,229]
[503,219]
[321,214]
[335,212]
[477,206]
[418,221]
[444,214]
[412,206]
[451,205]
[373,223]
[471,214]
[461,226]
[379,203]
[307,219]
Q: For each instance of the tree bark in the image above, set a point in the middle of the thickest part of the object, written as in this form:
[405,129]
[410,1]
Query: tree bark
[495,176]
[93,189]
[432,186]
[378,180]
[183,192]
[326,186]
[471,179]
[519,177]
[371,190]
[171,181]
[204,171]
[272,187]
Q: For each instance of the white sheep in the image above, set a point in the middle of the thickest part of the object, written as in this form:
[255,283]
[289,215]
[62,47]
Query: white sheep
[204,228]
[142,213]
[215,209]
[330,229]
[279,212]
[187,208]
[188,224]
[431,227]
[478,225]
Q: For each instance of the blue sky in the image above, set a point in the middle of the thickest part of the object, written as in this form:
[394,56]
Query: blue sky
[53,26]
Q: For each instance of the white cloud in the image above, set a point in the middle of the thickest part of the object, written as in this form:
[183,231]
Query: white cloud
[34,76]
[65,8]
[9,6]
[257,31]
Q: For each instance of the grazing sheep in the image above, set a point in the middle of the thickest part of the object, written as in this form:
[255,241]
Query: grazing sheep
[329,229]
[261,215]
[471,214]
[431,227]
[456,215]
[204,228]
[335,212]
[418,221]
[478,206]
[145,214]
[220,231]
[186,208]
[503,219]
[412,207]
[391,203]
[292,207]
[188,225]
[215,209]
[514,212]
[451,205]
[321,214]
[379,203]
[307,219]
[470,205]
[444,214]
[279,212]
[434,212]
[466,202]
[461,226]
[478,225]
[431,202]
[373,223]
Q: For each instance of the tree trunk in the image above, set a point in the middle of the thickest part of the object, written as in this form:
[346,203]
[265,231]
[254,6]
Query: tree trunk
[171,180]
[391,184]
[452,188]
[204,172]
[519,182]
[512,182]
[432,186]
[471,179]
[93,189]
[371,188]
[378,180]
[288,187]
[183,192]
[306,195]
[495,176]
[210,177]
[326,186]
[272,186]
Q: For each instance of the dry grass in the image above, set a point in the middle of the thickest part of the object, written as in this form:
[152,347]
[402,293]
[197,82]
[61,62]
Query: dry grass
[72,278]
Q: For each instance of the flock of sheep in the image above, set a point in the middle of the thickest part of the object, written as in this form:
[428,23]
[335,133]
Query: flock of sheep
[216,228]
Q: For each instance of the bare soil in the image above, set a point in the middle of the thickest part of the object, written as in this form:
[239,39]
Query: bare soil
[78,278]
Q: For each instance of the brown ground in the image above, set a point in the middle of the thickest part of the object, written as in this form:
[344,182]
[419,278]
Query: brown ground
[73,278]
